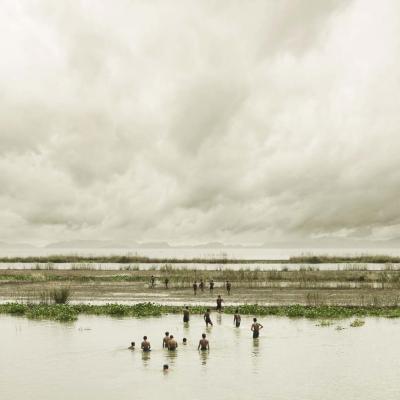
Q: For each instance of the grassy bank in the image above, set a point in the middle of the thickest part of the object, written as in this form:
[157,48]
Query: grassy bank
[180,278]
[129,259]
[68,313]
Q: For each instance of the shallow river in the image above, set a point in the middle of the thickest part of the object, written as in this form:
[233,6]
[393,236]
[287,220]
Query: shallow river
[293,359]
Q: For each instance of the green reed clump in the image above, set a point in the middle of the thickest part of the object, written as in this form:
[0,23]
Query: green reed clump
[61,295]
[65,312]
[357,323]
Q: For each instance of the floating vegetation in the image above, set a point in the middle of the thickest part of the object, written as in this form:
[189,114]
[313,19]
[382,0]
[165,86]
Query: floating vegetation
[325,323]
[67,312]
[357,322]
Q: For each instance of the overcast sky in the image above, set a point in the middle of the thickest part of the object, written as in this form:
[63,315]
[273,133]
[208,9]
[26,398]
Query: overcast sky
[194,121]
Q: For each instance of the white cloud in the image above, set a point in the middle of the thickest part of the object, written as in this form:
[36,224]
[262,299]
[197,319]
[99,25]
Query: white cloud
[194,121]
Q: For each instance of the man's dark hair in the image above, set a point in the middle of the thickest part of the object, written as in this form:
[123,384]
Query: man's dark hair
[203,335]
[132,343]
[144,337]
[171,337]
[166,333]
[254,319]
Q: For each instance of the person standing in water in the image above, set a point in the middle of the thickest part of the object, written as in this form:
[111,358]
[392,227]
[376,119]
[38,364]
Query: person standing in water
[203,343]
[207,318]
[237,318]
[195,288]
[165,340]
[211,286]
[186,315]
[219,303]
[145,344]
[152,281]
[256,327]
[166,281]
[228,287]
[172,343]
[132,346]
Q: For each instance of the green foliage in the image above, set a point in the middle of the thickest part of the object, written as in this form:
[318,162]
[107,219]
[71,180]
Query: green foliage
[65,312]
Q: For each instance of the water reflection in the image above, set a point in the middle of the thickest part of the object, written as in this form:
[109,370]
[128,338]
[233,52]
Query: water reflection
[219,318]
[256,347]
[204,356]
[171,356]
[145,358]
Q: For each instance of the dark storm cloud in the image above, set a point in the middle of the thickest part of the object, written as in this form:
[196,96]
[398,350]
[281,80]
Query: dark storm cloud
[194,121]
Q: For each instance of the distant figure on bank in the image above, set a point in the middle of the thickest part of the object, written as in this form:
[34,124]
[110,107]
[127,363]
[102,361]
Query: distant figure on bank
[132,346]
[152,281]
[201,285]
[203,343]
[145,344]
[195,288]
[219,303]
[207,318]
[165,340]
[211,286]
[186,315]
[256,327]
[237,318]
[228,287]
[165,367]
[184,341]
[172,343]
[166,281]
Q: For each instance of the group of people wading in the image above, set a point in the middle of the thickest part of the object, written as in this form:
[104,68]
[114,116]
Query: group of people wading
[169,342]
[196,286]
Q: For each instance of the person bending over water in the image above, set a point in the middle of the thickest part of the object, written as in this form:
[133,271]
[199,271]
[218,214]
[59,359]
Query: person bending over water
[186,314]
[172,343]
[256,327]
[145,344]
[237,318]
[132,346]
[165,340]
[207,318]
[203,343]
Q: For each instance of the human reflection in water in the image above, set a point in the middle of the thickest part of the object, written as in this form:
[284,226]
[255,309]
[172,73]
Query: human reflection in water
[171,357]
[219,318]
[256,347]
[204,356]
[145,358]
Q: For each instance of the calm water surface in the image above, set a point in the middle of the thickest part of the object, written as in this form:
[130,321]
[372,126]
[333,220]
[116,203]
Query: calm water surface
[293,359]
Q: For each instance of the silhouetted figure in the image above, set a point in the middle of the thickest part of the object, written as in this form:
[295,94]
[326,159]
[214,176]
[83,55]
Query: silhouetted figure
[195,288]
[237,318]
[256,327]
[186,315]
[207,318]
[219,303]
[152,281]
[211,286]
[166,281]
[132,346]
[201,285]
[145,344]
[228,287]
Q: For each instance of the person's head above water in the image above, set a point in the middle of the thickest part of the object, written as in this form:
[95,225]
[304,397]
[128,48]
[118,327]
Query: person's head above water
[171,337]
[187,307]
[203,335]
[166,333]
[165,367]
[184,340]
[144,337]
[255,319]
[208,310]
[133,344]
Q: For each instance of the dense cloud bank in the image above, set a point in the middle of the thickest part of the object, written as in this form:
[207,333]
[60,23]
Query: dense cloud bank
[195,121]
